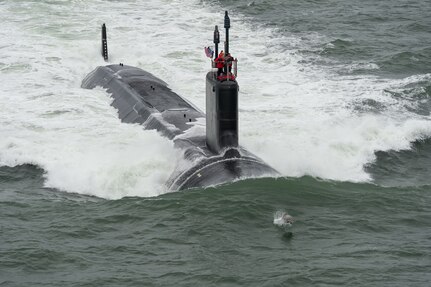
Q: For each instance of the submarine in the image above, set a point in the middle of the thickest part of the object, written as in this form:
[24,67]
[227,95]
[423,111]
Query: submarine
[212,157]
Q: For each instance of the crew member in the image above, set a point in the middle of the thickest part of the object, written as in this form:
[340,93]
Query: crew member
[229,60]
[219,61]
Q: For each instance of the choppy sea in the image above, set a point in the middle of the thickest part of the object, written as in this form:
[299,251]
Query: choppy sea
[336,95]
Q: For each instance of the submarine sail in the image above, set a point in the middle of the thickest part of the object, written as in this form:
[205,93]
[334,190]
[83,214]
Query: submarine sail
[215,156]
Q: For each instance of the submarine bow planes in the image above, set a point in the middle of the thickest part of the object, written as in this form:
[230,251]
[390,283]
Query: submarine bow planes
[215,155]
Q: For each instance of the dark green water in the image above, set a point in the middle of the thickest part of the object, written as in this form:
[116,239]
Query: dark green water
[346,233]
[393,35]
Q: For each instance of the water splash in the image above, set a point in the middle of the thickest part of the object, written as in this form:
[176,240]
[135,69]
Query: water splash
[283,219]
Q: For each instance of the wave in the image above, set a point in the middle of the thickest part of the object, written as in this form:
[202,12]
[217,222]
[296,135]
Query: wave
[407,62]
[405,168]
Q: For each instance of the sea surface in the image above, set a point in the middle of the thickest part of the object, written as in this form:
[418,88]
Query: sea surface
[336,95]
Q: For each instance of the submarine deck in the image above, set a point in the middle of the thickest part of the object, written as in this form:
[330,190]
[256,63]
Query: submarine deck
[140,97]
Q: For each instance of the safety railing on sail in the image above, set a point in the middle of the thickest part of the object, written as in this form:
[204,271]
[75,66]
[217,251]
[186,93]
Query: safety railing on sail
[228,69]
[229,65]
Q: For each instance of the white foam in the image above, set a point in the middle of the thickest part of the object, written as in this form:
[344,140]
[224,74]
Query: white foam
[298,116]
[196,129]
[82,146]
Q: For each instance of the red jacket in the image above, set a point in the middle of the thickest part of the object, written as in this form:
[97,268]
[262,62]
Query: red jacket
[219,62]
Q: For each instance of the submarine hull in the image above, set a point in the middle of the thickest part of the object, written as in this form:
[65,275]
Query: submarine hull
[142,98]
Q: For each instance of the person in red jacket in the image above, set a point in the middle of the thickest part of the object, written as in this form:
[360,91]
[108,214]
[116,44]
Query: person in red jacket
[219,62]
[229,59]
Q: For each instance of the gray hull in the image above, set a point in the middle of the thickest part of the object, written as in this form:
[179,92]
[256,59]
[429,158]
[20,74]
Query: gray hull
[142,98]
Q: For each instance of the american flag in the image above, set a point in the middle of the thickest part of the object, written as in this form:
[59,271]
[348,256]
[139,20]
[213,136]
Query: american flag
[209,52]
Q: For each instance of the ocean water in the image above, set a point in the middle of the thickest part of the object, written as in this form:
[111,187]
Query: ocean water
[336,95]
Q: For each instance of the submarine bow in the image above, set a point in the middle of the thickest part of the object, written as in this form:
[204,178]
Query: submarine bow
[212,157]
